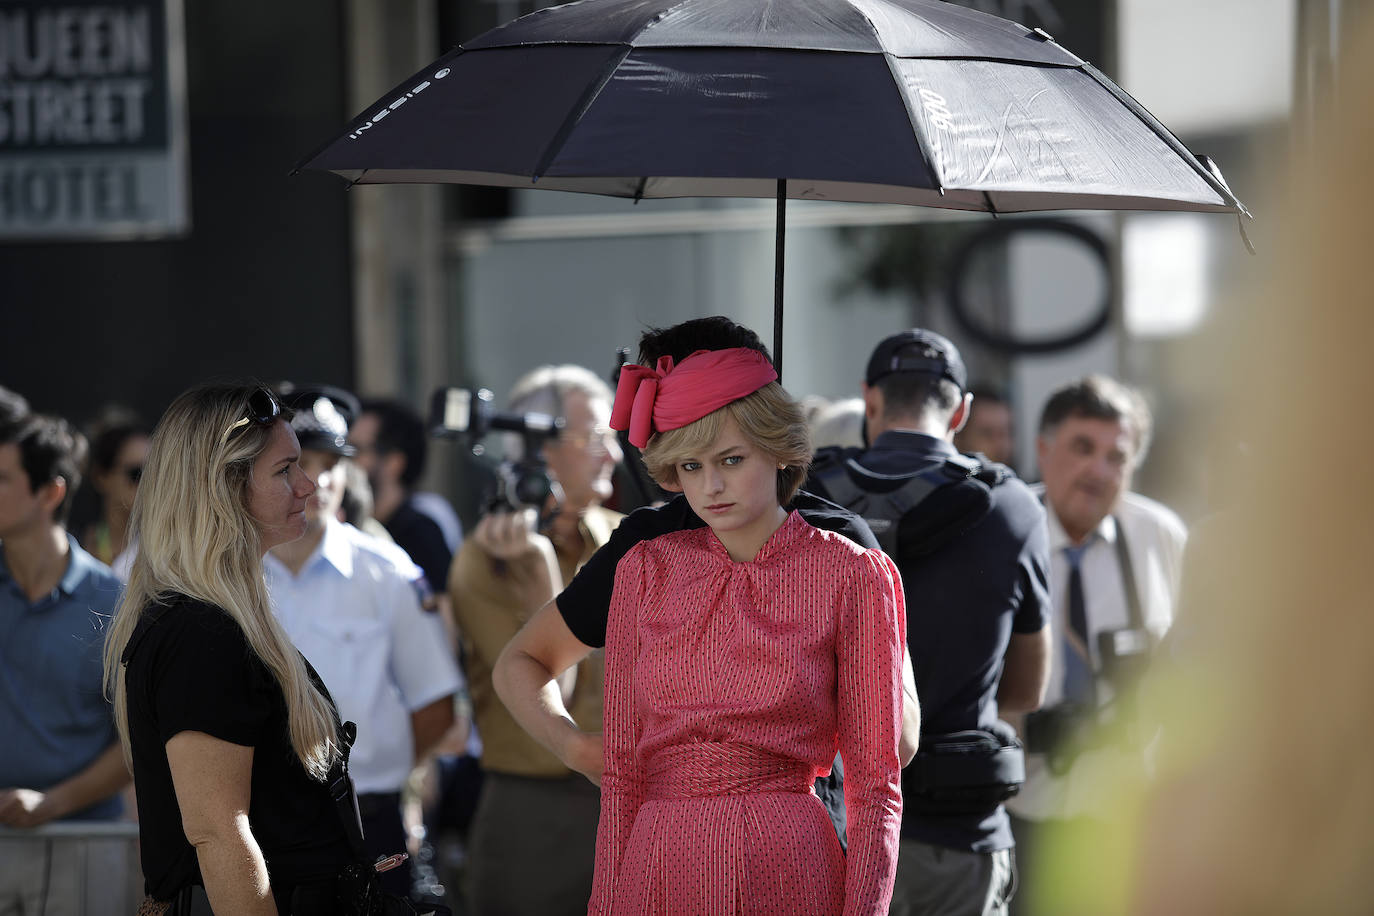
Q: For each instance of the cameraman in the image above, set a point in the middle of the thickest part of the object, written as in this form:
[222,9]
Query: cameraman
[533,836]
[1116,558]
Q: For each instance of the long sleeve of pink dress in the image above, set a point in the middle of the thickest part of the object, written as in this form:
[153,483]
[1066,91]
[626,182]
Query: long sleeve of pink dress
[729,687]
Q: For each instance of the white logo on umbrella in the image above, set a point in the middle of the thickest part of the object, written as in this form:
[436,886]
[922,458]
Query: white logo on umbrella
[410,94]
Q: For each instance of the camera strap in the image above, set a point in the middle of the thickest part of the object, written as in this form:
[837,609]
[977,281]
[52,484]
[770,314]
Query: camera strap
[1123,559]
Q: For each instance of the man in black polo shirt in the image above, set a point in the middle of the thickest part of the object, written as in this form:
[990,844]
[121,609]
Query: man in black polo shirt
[571,626]
[974,558]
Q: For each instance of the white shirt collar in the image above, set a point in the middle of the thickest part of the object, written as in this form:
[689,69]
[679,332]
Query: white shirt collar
[334,549]
[1059,539]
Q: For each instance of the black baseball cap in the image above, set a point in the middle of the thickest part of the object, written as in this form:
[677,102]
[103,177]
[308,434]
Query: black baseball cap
[918,350]
[323,415]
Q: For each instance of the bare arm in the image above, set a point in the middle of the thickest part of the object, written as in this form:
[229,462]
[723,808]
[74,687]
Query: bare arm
[525,678]
[1025,672]
[911,713]
[103,777]
[213,783]
[429,723]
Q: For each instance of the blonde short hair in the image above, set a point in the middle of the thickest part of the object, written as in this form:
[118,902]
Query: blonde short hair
[769,419]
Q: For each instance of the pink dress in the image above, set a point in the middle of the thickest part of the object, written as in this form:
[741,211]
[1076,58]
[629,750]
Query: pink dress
[729,687]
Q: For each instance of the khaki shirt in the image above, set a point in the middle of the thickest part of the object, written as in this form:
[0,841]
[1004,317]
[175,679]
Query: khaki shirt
[492,600]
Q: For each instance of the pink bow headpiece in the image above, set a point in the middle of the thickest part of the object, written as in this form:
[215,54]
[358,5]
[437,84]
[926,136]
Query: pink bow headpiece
[669,396]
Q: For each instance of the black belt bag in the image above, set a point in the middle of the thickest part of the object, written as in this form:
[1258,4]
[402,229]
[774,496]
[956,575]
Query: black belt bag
[967,771]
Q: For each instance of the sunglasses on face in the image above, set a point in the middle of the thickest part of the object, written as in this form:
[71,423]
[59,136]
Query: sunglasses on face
[263,410]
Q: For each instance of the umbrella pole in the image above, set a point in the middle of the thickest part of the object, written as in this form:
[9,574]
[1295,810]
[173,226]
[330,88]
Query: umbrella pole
[781,241]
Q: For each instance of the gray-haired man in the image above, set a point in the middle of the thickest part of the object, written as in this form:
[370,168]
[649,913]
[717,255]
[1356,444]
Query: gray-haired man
[1116,563]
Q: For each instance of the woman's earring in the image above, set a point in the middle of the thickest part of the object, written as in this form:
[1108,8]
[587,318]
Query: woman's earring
[782,467]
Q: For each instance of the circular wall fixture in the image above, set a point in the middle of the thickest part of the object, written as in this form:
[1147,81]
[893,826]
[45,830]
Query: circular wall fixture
[1001,233]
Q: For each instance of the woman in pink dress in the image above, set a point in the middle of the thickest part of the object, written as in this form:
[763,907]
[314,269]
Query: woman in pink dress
[739,657]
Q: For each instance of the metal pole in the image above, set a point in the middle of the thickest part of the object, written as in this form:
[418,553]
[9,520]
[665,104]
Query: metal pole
[781,239]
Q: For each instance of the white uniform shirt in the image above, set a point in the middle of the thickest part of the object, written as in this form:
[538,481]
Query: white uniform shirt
[355,614]
[1155,538]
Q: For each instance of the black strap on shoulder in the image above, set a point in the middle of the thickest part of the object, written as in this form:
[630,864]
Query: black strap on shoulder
[342,794]
[886,501]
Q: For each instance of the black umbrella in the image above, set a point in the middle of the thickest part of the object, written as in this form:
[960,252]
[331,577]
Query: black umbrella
[900,101]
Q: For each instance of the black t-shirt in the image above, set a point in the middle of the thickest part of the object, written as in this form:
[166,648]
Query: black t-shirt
[963,602]
[586,602]
[190,668]
[421,538]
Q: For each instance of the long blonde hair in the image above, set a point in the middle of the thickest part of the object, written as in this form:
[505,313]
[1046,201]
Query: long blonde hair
[196,538]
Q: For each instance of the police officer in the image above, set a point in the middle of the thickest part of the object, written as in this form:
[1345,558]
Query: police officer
[970,541]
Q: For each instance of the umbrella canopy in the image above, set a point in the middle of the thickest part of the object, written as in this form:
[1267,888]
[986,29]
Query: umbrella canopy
[899,101]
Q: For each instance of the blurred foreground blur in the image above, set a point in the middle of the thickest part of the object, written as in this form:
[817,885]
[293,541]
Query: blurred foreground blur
[1261,800]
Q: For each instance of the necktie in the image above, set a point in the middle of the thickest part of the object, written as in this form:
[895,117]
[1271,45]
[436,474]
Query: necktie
[1080,685]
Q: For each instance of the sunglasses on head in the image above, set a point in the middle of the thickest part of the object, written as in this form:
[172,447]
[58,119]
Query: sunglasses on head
[263,410]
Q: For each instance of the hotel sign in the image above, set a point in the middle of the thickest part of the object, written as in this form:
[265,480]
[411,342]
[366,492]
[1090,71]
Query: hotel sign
[92,120]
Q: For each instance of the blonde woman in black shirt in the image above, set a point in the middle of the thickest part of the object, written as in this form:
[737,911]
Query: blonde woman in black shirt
[228,730]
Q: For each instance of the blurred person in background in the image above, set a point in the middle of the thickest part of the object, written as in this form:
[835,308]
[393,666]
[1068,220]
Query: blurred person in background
[13,406]
[59,756]
[839,424]
[356,506]
[535,815]
[391,446]
[1116,562]
[1262,800]
[118,450]
[970,541]
[453,760]
[989,428]
[352,603]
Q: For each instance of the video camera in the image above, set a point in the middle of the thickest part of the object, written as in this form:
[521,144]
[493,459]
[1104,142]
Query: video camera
[460,413]
[469,414]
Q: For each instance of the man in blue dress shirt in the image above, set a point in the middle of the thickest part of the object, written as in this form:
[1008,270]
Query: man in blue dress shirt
[60,757]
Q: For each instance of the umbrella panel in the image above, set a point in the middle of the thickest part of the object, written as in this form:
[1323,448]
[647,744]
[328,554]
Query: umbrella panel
[905,28]
[748,114]
[481,111]
[1013,130]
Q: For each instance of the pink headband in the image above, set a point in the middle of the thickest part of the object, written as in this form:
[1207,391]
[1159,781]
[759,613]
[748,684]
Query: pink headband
[649,401]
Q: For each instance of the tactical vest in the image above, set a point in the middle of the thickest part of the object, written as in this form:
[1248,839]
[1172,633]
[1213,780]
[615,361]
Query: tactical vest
[954,495]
